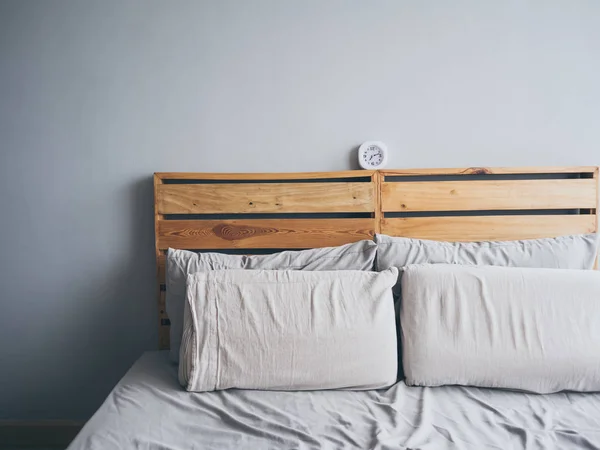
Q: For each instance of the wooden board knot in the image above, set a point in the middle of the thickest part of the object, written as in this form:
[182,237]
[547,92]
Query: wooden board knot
[478,171]
[237,232]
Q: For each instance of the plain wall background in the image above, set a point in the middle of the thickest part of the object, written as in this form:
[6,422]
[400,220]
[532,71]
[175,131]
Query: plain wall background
[97,95]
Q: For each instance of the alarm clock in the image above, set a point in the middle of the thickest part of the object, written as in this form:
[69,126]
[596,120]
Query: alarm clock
[372,155]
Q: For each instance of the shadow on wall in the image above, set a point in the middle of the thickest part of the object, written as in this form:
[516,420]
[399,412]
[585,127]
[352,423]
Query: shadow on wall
[124,310]
[126,314]
[353,159]
[110,315]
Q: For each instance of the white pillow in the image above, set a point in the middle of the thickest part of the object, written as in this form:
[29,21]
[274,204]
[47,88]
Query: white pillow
[529,329]
[180,263]
[563,252]
[577,251]
[289,330]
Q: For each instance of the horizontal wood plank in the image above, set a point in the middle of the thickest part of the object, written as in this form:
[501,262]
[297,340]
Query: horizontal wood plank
[488,170]
[488,195]
[489,228]
[263,176]
[259,233]
[265,198]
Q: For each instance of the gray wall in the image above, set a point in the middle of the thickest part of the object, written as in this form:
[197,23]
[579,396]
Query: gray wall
[96,95]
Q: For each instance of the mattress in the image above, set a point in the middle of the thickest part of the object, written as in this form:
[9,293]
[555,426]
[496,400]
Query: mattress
[149,410]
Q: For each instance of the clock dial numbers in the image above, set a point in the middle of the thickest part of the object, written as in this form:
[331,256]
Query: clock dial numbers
[372,155]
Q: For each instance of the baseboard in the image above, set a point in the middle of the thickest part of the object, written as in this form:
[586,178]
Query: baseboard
[45,434]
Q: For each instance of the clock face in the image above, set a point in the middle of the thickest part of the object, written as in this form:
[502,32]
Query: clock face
[372,155]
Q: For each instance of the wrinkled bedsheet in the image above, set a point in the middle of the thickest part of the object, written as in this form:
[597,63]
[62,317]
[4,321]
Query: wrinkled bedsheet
[149,410]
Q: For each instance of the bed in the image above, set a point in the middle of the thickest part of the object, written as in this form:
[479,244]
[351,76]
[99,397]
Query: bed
[148,409]
[261,213]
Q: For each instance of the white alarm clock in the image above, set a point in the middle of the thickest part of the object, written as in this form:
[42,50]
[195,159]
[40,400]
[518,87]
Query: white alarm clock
[372,155]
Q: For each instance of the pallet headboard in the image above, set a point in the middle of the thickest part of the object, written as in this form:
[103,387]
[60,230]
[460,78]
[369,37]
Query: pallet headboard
[259,213]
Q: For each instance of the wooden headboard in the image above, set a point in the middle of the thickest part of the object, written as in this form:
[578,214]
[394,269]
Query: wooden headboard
[259,213]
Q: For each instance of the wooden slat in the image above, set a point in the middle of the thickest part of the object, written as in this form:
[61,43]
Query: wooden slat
[596,228]
[259,233]
[263,176]
[597,180]
[488,195]
[377,181]
[488,170]
[489,228]
[265,198]
[163,329]
[161,265]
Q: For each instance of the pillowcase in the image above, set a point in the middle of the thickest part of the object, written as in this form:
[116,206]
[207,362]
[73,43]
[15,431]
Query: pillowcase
[530,329]
[565,252]
[356,256]
[289,330]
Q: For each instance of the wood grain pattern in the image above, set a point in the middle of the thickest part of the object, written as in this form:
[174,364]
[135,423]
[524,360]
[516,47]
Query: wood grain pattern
[265,233]
[488,195]
[597,227]
[263,176]
[161,263]
[265,198]
[377,181]
[488,228]
[488,170]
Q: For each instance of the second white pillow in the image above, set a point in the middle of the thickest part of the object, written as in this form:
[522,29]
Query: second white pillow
[529,329]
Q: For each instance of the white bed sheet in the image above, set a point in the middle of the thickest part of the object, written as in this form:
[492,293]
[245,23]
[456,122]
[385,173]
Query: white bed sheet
[148,409]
